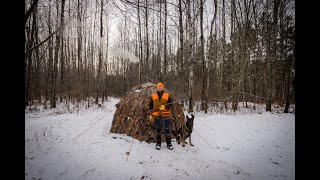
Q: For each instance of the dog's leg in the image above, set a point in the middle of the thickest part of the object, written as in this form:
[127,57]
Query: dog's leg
[183,140]
[190,140]
[183,144]
[182,137]
[178,138]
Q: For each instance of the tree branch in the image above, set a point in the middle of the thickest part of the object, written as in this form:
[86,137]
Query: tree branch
[57,30]
[27,15]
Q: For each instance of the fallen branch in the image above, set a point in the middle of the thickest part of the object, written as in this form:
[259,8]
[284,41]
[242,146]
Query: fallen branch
[35,135]
[50,131]
[44,133]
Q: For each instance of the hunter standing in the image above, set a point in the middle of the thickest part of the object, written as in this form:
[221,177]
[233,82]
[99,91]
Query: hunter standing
[161,113]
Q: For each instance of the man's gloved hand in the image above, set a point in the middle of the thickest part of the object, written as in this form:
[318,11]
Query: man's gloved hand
[150,118]
[161,107]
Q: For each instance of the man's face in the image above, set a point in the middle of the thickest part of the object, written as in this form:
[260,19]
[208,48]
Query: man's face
[159,88]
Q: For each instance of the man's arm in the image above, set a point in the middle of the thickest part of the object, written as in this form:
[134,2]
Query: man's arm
[168,106]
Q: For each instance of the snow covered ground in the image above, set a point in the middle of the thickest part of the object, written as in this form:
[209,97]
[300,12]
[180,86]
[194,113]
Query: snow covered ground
[76,144]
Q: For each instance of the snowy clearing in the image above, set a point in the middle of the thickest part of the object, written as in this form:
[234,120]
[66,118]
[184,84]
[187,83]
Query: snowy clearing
[71,144]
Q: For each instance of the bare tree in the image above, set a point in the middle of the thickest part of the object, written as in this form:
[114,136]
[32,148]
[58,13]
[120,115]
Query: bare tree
[56,58]
[190,54]
[204,73]
[141,65]
[50,58]
[273,53]
[181,69]
[165,41]
[147,40]
[211,57]
[62,55]
[100,55]
[79,48]
[38,65]
[28,53]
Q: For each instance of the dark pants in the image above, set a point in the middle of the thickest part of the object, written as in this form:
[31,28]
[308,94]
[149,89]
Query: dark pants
[163,122]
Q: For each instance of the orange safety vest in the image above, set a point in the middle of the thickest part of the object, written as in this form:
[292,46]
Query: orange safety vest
[157,103]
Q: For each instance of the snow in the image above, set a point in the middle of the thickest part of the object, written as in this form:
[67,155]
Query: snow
[75,143]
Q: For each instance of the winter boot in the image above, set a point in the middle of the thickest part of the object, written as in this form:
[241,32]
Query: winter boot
[158,143]
[169,145]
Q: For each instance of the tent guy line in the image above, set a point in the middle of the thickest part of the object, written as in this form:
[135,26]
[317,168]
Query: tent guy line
[89,127]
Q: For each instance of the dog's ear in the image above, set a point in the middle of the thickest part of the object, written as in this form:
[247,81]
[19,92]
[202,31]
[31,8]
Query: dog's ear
[187,117]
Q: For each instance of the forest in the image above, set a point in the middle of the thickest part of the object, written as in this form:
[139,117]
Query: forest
[213,52]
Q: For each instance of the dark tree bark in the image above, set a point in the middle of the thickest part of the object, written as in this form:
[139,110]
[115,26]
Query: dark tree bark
[62,60]
[181,69]
[56,58]
[79,48]
[224,63]
[141,65]
[274,53]
[50,58]
[190,55]
[30,10]
[204,73]
[98,87]
[165,42]
[28,54]
[158,66]
[147,42]
[38,65]
[211,58]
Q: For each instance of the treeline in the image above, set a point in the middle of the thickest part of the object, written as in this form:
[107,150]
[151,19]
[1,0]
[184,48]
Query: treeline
[208,51]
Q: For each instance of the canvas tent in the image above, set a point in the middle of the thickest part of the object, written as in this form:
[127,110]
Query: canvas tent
[131,116]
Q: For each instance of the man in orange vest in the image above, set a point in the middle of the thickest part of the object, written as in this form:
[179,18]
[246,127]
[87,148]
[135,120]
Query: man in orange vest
[161,113]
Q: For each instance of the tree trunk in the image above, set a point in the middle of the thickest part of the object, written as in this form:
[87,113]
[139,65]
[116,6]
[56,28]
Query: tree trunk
[181,69]
[274,53]
[282,53]
[30,10]
[147,42]
[28,56]
[62,51]
[203,94]
[286,109]
[50,58]
[56,58]
[190,56]
[141,66]
[224,63]
[159,74]
[98,87]
[211,57]
[38,66]
[106,66]
[165,42]
[79,33]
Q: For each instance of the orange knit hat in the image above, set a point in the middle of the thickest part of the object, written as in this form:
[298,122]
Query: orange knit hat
[160,85]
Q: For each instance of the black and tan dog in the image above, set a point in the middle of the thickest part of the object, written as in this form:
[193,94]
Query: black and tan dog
[185,131]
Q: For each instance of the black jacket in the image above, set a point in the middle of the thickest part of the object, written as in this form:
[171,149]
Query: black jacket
[160,95]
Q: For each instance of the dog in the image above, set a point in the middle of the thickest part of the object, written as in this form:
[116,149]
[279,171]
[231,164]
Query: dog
[185,131]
